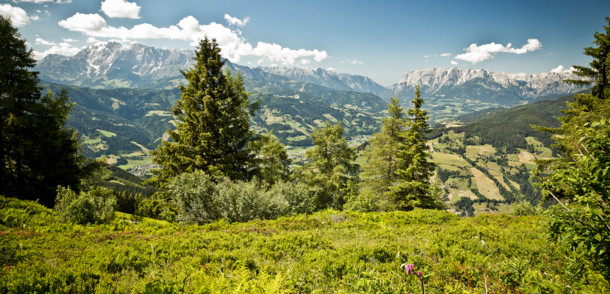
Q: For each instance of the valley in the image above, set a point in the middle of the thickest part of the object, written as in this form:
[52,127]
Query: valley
[484,149]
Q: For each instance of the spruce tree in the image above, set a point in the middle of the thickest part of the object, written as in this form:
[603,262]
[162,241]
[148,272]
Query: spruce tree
[379,172]
[579,180]
[272,160]
[212,123]
[412,188]
[37,151]
[330,169]
[598,70]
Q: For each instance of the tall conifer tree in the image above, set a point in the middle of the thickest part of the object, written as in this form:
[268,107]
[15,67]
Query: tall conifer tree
[37,151]
[379,172]
[579,181]
[330,169]
[412,188]
[212,123]
[599,70]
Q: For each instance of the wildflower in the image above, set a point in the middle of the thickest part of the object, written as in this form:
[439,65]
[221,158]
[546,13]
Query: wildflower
[409,268]
[419,273]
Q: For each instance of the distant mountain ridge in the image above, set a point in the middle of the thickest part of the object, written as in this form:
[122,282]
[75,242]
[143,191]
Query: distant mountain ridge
[480,84]
[448,92]
[330,79]
[113,65]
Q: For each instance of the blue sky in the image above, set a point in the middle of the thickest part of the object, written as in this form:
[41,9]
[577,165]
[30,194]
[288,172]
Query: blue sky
[379,39]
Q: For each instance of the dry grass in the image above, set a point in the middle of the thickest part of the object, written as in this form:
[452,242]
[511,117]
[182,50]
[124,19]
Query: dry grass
[486,186]
[480,150]
[526,157]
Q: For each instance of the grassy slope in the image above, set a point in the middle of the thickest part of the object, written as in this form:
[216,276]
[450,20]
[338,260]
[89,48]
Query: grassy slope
[320,253]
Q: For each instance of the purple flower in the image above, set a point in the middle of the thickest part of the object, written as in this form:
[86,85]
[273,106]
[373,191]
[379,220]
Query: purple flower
[409,268]
[419,273]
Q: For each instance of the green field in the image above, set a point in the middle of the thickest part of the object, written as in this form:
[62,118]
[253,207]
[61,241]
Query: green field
[326,252]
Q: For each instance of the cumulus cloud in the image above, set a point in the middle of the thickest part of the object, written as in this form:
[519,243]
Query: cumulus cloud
[236,21]
[89,24]
[354,62]
[445,54]
[63,48]
[475,53]
[17,15]
[189,29]
[453,62]
[560,69]
[121,9]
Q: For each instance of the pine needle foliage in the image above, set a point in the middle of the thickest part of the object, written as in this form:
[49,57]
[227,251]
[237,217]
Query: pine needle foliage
[579,181]
[412,189]
[212,123]
[37,151]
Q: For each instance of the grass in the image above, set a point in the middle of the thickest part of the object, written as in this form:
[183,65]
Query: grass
[480,150]
[486,185]
[449,161]
[135,161]
[106,134]
[325,252]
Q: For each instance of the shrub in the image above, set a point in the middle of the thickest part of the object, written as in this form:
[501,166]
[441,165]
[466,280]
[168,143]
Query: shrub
[193,193]
[158,208]
[200,200]
[524,207]
[365,201]
[94,206]
[297,196]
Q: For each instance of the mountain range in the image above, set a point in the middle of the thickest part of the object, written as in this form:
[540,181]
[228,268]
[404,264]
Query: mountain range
[113,65]
[123,94]
[497,87]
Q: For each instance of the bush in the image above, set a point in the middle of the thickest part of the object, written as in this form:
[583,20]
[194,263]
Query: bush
[193,193]
[297,195]
[158,208]
[523,207]
[95,206]
[365,201]
[200,200]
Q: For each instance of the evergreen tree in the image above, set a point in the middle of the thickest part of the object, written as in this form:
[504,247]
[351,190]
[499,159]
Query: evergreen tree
[412,189]
[579,181]
[330,169]
[272,160]
[379,172]
[597,73]
[37,151]
[212,123]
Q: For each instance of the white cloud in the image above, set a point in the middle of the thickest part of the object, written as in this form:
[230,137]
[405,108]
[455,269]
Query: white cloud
[188,29]
[63,48]
[121,9]
[354,62]
[236,21]
[560,69]
[445,54]
[84,23]
[454,62]
[44,1]
[331,69]
[17,15]
[476,53]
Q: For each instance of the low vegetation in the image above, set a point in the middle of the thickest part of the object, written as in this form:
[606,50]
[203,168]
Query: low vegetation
[324,252]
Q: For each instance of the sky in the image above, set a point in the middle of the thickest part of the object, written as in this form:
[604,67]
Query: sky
[379,39]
